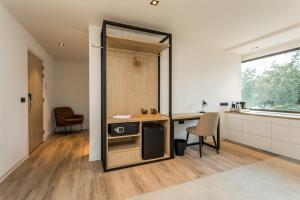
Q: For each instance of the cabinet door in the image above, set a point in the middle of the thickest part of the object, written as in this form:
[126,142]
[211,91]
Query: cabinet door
[259,126]
[234,122]
[286,130]
[256,141]
[286,137]
[284,148]
[234,127]
[257,132]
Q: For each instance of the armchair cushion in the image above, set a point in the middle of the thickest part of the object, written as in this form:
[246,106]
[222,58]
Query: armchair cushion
[74,120]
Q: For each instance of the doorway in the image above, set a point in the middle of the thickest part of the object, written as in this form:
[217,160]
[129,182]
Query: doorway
[35,102]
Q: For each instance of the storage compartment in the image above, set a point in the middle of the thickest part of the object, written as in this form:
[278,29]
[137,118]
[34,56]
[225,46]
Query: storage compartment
[120,158]
[153,141]
[121,129]
[123,144]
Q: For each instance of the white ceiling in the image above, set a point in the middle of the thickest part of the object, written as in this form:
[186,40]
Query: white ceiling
[222,24]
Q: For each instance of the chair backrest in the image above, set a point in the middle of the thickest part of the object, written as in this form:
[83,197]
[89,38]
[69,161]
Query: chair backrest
[63,113]
[208,124]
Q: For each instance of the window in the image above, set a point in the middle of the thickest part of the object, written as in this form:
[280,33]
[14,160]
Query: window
[272,82]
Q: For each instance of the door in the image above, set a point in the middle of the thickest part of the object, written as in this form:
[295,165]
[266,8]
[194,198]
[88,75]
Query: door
[35,102]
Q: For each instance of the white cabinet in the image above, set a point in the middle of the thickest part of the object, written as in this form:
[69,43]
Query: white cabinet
[277,135]
[257,132]
[235,136]
[234,127]
[286,137]
[258,142]
[284,148]
[286,130]
[260,126]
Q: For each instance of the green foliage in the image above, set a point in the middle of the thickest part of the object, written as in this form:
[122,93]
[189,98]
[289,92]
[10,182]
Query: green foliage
[275,89]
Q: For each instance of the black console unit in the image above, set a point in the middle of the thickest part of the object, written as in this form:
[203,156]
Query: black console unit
[121,129]
[153,141]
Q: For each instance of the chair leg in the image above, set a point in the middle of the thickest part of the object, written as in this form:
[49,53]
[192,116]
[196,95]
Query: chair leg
[70,128]
[80,128]
[65,130]
[187,138]
[200,145]
[54,130]
[215,144]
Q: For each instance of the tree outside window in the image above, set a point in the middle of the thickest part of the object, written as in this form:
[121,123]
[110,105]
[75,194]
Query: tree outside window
[272,83]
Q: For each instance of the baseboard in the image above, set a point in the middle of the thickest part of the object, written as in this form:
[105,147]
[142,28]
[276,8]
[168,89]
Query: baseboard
[12,169]
[48,136]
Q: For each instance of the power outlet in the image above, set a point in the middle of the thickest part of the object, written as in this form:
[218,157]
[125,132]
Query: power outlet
[224,104]
[23,99]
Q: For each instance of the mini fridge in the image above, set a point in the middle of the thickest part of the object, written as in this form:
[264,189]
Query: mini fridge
[153,140]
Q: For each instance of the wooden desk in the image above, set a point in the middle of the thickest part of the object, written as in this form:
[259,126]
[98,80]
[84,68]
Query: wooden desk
[181,117]
[186,116]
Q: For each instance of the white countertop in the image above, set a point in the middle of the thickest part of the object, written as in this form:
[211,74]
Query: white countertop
[268,114]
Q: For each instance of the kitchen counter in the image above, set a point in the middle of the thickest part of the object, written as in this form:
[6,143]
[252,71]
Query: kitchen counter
[269,114]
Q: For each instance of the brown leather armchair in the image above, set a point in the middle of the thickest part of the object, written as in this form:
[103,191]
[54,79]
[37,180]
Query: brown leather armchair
[64,116]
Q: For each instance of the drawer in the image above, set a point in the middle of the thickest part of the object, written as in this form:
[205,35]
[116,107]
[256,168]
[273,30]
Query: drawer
[234,123]
[257,142]
[257,118]
[287,122]
[284,148]
[234,135]
[257,128]
[116,159]
[286,133]
[233,115]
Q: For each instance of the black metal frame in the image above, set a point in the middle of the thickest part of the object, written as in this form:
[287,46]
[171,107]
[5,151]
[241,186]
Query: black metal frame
[168,36]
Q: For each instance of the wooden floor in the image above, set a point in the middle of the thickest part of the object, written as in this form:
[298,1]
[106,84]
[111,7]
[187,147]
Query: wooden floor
[59,169]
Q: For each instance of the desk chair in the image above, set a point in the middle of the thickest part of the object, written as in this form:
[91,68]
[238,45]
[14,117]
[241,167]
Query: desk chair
[207,126]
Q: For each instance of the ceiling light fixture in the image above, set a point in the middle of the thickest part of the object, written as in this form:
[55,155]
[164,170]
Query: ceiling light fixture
[61,44]
[154,2]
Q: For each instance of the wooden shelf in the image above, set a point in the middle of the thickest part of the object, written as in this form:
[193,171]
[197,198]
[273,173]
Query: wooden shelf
[122,146]
[140,118]
[124,136]
[131,44]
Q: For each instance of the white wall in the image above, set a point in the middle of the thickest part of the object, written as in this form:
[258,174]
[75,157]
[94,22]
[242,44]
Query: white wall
[198,73]
[95,100]
[72,88]
[14,43]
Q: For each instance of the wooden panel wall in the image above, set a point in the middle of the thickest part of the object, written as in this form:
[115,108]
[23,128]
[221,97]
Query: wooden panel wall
[129,87]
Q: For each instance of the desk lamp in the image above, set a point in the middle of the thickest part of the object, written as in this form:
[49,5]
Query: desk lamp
[204,103]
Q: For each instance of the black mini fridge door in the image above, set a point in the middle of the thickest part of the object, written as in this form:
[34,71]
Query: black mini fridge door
[153,141]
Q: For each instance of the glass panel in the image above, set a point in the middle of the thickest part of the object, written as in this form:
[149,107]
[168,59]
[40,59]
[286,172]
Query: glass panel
[272,83]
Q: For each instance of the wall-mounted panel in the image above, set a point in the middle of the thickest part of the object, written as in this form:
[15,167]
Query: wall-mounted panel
[130,87]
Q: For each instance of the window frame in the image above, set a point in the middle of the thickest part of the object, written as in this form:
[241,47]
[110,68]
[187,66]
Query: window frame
[267,56]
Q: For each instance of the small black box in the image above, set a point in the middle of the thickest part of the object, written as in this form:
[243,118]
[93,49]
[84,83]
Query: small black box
[121,129]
